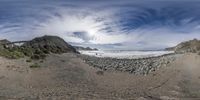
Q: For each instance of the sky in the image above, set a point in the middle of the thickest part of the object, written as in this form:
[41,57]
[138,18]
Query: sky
[103,24]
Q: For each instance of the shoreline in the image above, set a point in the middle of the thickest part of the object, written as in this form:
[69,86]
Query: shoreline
[126,55]
[138,66]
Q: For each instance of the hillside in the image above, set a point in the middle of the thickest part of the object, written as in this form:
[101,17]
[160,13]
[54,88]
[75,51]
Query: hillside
[188,46]
[51,44]
[36,48]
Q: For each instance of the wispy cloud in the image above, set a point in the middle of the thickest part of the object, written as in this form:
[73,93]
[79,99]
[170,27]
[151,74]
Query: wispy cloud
[109,24]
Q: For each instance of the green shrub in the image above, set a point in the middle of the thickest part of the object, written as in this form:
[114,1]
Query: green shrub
[35,53]
[27,51]
[38,56]
[62,60]
[41,61]
[99,72]
[35,57]
[11,54]
[28,60]
[38,51]
[42,56]
[17,54]
[35,65]
[46,51]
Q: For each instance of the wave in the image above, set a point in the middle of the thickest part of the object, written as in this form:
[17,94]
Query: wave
[125,54]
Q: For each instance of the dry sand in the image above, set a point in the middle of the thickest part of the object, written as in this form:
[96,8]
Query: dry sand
[67,77]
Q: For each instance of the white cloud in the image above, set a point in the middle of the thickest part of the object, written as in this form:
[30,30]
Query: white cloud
[83,21]
[157,39]
[63,21]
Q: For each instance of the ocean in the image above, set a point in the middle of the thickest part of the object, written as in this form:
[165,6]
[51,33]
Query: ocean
[125,54]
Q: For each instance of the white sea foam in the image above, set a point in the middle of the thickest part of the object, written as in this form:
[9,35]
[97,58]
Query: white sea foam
[125,54]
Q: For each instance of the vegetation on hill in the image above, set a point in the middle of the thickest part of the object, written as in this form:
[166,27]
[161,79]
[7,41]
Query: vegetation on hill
[8,52]
[37,48]
[12,54]
[188,46]
[35,65]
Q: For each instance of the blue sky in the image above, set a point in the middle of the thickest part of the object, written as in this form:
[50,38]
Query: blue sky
[105,24]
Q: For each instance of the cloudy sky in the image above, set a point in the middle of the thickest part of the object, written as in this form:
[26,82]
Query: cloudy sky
[105,24]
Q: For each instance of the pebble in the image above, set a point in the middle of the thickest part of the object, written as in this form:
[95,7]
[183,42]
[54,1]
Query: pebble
[140,66]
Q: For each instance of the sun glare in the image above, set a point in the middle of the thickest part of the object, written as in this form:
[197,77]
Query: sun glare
[91,32]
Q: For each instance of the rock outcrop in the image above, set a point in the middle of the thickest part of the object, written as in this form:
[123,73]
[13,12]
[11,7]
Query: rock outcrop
[188,46]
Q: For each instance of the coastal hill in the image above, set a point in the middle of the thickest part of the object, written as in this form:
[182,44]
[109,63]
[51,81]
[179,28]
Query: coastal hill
[53,44]
[36,48]
[188,46]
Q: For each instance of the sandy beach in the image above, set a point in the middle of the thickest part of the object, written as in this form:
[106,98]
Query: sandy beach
[99,49]
[68,77]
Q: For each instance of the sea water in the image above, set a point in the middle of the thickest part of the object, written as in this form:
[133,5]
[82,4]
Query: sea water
[128,54]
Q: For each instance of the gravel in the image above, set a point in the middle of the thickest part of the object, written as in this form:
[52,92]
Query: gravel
[140,66]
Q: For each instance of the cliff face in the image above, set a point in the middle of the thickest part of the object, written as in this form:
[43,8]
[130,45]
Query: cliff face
[188,46]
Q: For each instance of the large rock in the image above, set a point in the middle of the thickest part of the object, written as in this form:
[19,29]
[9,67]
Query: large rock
[188,46]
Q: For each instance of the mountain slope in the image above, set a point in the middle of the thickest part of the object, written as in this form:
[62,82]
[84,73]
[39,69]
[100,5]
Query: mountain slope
[188,46]
[40,46]
[53,44]
[36,48]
